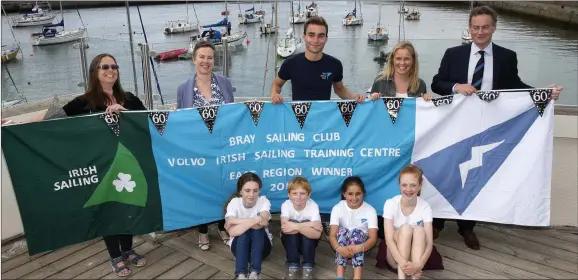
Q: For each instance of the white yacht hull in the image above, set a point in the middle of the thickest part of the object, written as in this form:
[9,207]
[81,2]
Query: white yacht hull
[297,18]
[61,37]
[413,17]
[267,29]
[288,47]
[256,19]
[466,37]
[353,21]
[234,40]
[33,21]
[7,104]
[382,36]
[181,29]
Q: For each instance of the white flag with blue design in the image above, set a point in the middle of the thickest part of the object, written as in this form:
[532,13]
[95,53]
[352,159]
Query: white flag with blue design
[486,161]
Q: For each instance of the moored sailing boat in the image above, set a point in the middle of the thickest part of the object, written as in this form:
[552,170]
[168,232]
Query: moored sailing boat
[352,18]
[378,33]
[35,17]
[10,52]
[51,35]
[181,25]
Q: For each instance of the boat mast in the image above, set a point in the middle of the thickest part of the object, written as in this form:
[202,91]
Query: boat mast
[20,95]
[149,56]
[292,15]
[131,48]
[299,7]
[12,31]
[268,48]
[197,18]
[379,19]
[62,15]
[187,4]
[276,28]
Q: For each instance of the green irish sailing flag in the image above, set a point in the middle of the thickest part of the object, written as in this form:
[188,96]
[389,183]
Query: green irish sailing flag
[109,182]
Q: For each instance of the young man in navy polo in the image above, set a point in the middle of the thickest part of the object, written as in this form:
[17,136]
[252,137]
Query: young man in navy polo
[312,75]
[313,72]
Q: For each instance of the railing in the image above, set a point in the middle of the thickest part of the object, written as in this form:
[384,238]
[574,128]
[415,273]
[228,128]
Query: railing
[56,69]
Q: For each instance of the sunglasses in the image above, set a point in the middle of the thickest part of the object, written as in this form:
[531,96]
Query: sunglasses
[107,66]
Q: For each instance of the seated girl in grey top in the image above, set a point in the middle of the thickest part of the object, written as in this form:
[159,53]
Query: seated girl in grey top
[400,78]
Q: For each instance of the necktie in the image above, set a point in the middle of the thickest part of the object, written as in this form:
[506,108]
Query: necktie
[479,72]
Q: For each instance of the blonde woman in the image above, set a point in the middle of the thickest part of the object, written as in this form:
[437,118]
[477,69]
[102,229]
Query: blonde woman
[400,78]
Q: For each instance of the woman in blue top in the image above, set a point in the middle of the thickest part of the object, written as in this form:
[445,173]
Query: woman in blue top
[205,88]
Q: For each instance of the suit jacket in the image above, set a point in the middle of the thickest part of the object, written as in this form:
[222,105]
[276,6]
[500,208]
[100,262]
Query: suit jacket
[185,91]
[454,69]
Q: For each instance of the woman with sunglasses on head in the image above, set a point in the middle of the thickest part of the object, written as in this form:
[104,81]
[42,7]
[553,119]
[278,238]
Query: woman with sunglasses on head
[105,93]
[205,88]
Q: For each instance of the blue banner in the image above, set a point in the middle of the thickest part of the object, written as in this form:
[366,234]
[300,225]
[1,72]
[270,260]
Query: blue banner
[201,152]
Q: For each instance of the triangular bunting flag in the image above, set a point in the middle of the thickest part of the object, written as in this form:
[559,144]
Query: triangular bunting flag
[347,108]
[393,105]
[301,110]
[445,100]
[488,96]
[113,121]
[255,108]
[160,120]
[209,115]
[541,98]
[55,110]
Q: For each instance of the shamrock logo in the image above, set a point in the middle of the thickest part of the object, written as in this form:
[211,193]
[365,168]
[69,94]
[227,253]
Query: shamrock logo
[124,161]
[124,183]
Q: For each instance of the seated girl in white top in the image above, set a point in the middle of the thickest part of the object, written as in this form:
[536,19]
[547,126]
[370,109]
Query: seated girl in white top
[301,228]
[353,227]
[247,218]
[408,226]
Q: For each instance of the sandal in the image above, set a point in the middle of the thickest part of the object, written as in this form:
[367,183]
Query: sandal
[120,271]
[205,246]
[225,239]
[134,258]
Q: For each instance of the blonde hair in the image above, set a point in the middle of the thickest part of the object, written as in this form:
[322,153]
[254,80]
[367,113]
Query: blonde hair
[299,182]
[389,70]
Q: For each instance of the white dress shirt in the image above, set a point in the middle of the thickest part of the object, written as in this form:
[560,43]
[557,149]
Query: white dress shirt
[488,65]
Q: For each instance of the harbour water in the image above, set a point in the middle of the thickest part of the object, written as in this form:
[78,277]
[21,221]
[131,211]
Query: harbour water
[546,53]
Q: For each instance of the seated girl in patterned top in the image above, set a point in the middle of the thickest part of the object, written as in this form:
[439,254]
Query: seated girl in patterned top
[353,227]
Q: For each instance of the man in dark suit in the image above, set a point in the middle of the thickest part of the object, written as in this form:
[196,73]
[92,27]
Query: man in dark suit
[480,65]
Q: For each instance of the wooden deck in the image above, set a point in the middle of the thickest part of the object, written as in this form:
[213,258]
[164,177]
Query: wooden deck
[507,252]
